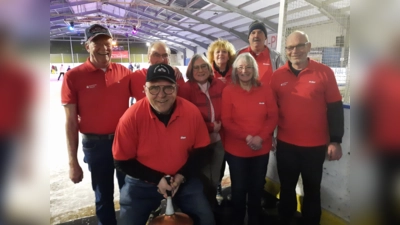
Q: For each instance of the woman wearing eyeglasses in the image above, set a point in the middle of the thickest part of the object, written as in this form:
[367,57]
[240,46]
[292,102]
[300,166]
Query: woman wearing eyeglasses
[221,54]
[249,116]
[205,91]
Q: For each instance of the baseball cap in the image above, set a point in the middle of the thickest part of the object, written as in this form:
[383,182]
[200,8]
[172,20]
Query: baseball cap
[96,30]
[160,71]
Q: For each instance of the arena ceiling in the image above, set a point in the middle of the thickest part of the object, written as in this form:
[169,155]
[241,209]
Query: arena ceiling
[187,23]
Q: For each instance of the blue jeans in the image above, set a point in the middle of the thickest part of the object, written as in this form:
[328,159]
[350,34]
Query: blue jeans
[139,198]
[247,177]
[98,156]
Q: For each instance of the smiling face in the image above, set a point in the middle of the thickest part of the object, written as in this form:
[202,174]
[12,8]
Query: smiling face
[100,50]
[163,101]
[221,56]
[158,53]
[245,70]
[297,49]
[201,71]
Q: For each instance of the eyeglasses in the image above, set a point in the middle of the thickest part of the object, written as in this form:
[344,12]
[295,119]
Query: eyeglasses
[247,68]
[202,66]
[298,47]
[158,55]
[167,89]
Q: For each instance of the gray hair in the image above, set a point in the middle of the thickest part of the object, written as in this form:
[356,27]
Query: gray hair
[158,43]
[249,60]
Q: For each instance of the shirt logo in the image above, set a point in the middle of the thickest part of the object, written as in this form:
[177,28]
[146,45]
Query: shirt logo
[283,84]
[261,103]
[91,86]
[183,137]
[266,64]
[312,82]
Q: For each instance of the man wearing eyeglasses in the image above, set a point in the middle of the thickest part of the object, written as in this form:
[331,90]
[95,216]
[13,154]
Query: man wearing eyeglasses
[311,124]
[268,60]
[161,135]
[159,52]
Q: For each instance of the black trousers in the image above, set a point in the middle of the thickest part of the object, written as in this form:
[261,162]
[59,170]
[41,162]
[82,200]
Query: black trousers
[293,161]
[388,169]
[59,76]
[247,176]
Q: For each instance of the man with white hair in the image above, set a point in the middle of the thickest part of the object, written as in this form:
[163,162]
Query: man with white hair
[311,124]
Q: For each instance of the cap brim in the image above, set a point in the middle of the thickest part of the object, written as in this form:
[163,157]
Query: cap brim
[98,34]
[162,78]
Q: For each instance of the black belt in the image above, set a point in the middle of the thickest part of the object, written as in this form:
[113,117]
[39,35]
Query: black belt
[98,136]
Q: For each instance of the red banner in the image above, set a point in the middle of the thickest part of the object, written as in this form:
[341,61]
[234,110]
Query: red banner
[120,54]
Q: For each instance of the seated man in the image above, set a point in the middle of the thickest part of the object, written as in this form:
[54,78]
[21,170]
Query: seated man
[160,135]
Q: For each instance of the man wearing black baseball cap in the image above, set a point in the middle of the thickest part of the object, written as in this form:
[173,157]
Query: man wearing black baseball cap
[268,60]
[97,92]
[161,135]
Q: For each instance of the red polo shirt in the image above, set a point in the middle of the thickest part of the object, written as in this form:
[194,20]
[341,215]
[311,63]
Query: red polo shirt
[302,102]
[264,64]
[382,97]
[101,97]
[248,113]
[142,136]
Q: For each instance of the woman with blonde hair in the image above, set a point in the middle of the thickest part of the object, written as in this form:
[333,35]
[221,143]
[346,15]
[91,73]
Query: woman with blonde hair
[204,91]
[221,54]
[249,116]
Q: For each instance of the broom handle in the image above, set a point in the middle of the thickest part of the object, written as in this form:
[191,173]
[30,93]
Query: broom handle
[170,208]
[168,178]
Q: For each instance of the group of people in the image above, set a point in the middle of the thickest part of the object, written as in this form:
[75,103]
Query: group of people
[229,109]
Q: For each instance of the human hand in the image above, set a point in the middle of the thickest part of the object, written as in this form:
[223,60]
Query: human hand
[75,173]
[248,138]
[255,143]
[217,126]
[178,74]
[163,187]
[334,151]
[176,181]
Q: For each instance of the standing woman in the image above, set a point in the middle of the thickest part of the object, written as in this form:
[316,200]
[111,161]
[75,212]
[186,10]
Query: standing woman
[249,116]
[204,91]
[221,54]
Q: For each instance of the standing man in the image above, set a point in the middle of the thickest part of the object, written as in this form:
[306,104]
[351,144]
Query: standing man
[61,72]
[159,52]
[268,60]
[311,124]
[95,95]
[160,135]
[130,67]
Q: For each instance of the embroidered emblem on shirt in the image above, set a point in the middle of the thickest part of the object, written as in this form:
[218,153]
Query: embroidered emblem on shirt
[261,103]
[266,64]
[283,84]
[91,86]
[312,81]
[183,137]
